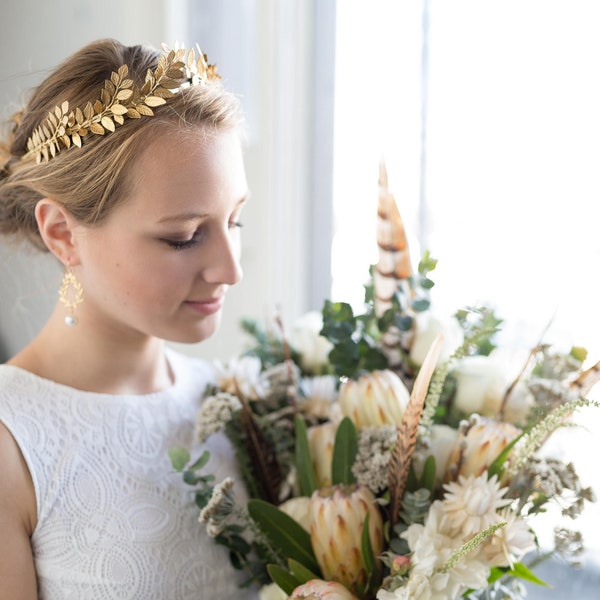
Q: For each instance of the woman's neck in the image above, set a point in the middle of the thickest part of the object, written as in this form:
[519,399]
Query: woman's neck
[96,360]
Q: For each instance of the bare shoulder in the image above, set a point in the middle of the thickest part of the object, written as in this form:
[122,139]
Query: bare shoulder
[17,522]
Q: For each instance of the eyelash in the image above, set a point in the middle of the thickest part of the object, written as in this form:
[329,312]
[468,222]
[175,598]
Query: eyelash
[195,239]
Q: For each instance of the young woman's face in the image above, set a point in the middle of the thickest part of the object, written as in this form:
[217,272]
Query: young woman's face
[160,265]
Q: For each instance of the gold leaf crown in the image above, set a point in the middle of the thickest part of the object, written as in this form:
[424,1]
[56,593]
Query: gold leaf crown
[119,99]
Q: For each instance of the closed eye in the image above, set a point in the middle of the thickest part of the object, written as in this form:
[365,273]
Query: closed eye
[184,244]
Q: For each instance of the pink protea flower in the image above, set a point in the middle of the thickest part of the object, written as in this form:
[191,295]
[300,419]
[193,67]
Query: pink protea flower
[337,515]
[317,589]
[375,399]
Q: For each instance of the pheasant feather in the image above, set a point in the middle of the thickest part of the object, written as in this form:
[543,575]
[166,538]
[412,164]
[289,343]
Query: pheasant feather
[408,429]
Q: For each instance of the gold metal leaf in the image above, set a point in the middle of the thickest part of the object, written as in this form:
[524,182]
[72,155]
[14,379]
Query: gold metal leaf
[154,101]
[132,113]
[145,110]
[123,71]
[97,129]
[124,95]
[120,119]
[163,92]
[88,110]
[76,140]
[118,109]
[109,87]
[127,83]
[66,140]
[107,123]
[114,78]
[105,97]
[79,115]
[98,107]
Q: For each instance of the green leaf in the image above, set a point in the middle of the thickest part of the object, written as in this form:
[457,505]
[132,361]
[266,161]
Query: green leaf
[201,462]
[285,533]
[179,457]
[522,572]
[300,572]
[365,547]
[428,476]
[285,580]
[345,448]
[421,304]
[306,473]
[497,465]
[371,565]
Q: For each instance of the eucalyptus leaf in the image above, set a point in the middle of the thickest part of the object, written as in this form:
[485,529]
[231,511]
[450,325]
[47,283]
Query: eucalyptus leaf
[179,457]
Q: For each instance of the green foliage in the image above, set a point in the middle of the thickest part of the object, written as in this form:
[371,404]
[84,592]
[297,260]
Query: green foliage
[480,325]
[283,578]
[372,566]
[345,449]
[354,350]
[284,533]
[269,348]
[306,473]
[179,457]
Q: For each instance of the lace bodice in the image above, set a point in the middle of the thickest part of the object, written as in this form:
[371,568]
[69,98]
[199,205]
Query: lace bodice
[114,521]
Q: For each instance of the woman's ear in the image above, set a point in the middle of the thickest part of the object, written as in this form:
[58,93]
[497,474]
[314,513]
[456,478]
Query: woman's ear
[56,225]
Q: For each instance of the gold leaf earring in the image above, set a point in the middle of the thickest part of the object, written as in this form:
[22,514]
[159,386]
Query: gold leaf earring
[71,295]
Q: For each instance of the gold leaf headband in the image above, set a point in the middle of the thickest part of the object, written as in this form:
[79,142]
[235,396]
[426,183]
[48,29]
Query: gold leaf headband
[119,99]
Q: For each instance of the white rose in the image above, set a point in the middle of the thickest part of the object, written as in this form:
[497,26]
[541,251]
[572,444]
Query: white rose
[480,385]
[271,592]
[427,327]
[312,347]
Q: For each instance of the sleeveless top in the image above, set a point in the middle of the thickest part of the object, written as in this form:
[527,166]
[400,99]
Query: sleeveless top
[114,520]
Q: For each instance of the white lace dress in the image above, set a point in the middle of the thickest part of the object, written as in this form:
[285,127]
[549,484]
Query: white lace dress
[114,520]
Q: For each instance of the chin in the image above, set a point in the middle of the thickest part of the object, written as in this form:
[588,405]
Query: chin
[198,332]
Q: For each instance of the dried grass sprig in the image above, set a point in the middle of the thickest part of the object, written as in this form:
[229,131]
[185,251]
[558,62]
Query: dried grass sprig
[534,438]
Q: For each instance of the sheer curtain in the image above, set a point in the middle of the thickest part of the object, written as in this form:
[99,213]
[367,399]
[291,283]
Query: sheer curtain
[490,128]
[488,116]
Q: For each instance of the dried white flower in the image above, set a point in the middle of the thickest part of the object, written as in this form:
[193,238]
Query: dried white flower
[373,458]
[219,508]
[216,411]
[471,505]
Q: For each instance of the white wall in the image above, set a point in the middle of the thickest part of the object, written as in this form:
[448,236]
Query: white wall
[262,48]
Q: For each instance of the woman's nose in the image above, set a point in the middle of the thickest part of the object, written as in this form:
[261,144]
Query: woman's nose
[224,265]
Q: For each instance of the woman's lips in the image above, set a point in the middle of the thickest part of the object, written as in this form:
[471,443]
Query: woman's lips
[206,307]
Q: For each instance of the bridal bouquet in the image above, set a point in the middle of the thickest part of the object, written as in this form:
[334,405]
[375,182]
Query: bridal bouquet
[389,454]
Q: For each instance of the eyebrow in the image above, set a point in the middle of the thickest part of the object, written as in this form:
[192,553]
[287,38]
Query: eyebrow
[194,216]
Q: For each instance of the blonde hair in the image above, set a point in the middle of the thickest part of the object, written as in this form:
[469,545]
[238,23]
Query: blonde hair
[90,181]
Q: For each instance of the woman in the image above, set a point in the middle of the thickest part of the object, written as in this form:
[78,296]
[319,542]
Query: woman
[136,186]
